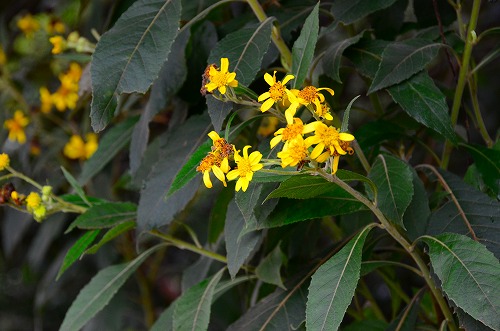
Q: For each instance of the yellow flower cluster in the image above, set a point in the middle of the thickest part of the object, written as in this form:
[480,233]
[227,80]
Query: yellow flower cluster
[74,41]
[66,95]
[221,78]
[16,126]
[29,25]
[76,148]
[4,161]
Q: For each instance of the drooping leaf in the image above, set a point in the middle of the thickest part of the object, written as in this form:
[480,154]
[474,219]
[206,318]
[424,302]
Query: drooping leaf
[105,215]
[170,79]
[245,50]
[349,11]
[469,274]
[110,145]
[474,207]
[269,268]
[238,248]
[192,309]
[418,211]
[76,251]
[425,103]
[333,284]
[76,186]
[303,48]
[347,112]
[110,235]
[217,218]
[488,163]
[196,272]
[394,181]
[366,55]
[165,321]
[97,293]
[218,111]
[129,56]
[401,60]
[154,208]
[333,55]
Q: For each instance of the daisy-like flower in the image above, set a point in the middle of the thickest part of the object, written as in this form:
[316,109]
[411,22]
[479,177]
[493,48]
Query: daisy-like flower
[66,95]
[294,128]
[277,91]
[220,79]
[329,142]
[216,161]
[16,127]
[294,151]
[4,161]
[246,166]
[76,148]
[324,112]
[311,95]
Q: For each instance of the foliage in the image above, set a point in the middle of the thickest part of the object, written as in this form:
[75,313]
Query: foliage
[246,165]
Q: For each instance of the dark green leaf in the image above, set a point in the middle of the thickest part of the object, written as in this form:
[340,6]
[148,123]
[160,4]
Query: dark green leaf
[349,11]
[245,50]
[76,251]
[165,321]
[401,60]
[303,48]
[192,309]
[394,181]
[269,268]
[488,163]
[129,56]
[97,293]
[333,284]
[302,187]
[345,119]
[76,186]
[418,211]
[333,55]
[366,55]
[105,215]
[474,207]
[272,176]
[468,323]
[218,111]
[110,235]
[469,274]
[373,133]
[114,140]
[407,319]
[218,215]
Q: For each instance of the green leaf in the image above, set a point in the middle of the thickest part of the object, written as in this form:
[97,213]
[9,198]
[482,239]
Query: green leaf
[114,140]
[110,235]
[129,56]
[269,268]
[302,187]
[77,187]
[333,55]
[473,207]
[345,119]
[366,55]
[273,175]
[333,284]
[469,274]
[170,79]
[253,203]
[418,211]
[218,215]
[245,50]
[238,248]
[401,60]
[488,163]
[349,11]
[155,208]
[425,103]
[218,111]
[407,319]
[303,48]
[165,321]
[99,291]
[77,250]
[192,309]
[105,215]
[394,181]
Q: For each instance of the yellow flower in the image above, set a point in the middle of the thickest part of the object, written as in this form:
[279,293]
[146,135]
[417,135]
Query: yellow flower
[33,201]
[311,95]
[55,26]
[294,151]
[58,44]
[277,91]
[216,161]
[219,79]
[246,166]
[294,128]
[16,127]
[268,126]
[76,148]
[66,96]
[324,112]
[28,25]
[4,161]
[45,100]
[91,145]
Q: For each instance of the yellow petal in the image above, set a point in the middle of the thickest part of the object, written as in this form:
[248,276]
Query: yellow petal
[269,79]
[264,96]
[219,173]
[222,89]
[255,157]
[206,179]
[287,79]
[335,164]
[213,135]
[245,151]
[338,148]
[224,64]
[210,86]
[244,184]
[238,185]
[346,136]
[275,141]
[224,166]
[326,89]
[323,157]
[266,105]
[232,175]
[317,150]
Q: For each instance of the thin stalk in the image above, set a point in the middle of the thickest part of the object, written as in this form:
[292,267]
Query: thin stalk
[365,290]
[462,77]
[402,241]
[477,113]
[361,156]
[286,54]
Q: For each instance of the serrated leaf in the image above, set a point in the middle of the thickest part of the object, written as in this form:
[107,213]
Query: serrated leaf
[333,55]
[366,55]
[469,274]
[269,176]
[99,291]
[425,103]
[76,186]
[245,50]
[345,120]
[401,60]
[333,285]
[129,56]
[192,309]
[478,209]
[303,48]
[238,248]
[488,163]
[110,235]
[218,111]
[76,251]
[253,204]
[113,141]
[105,215]
[394,181]
[349,11]
[170,79]
[269,268]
